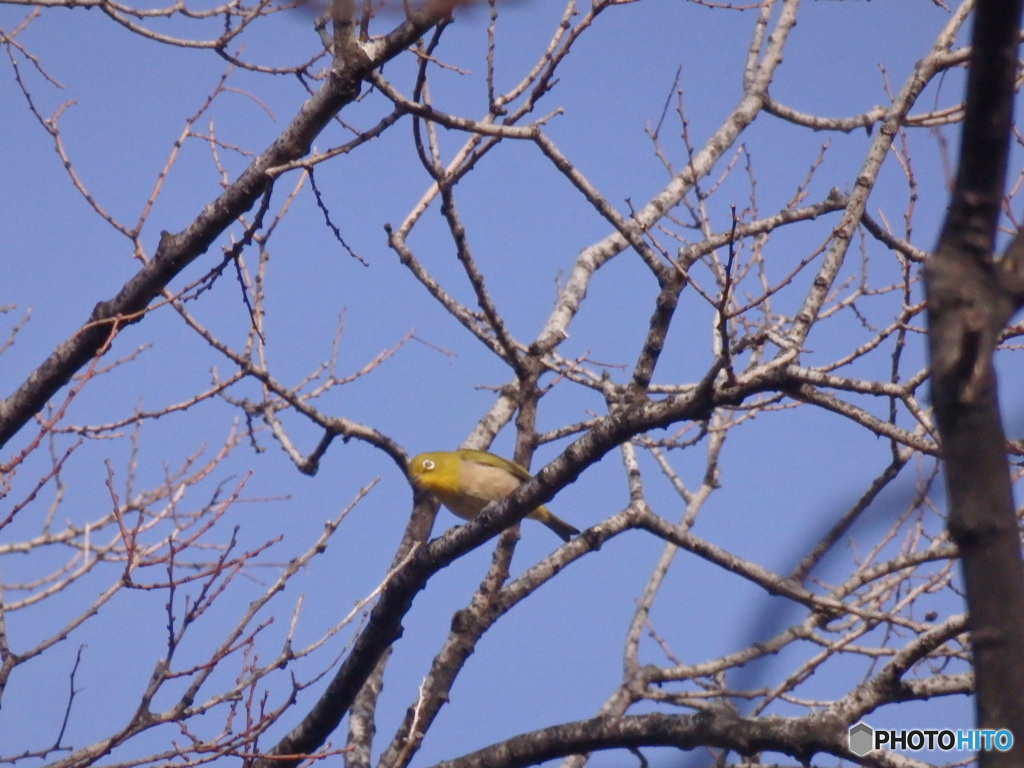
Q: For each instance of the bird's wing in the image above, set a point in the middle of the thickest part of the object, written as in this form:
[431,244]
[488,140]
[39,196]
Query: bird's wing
[490,460]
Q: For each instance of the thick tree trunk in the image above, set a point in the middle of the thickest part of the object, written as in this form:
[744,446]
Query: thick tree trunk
[971,296]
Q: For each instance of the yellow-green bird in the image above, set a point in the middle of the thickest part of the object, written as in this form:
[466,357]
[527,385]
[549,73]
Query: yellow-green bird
[466,481]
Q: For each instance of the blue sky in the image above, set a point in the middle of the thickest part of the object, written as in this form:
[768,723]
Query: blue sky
[556,657]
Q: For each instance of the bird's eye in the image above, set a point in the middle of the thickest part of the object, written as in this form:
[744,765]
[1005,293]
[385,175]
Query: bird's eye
[428,465]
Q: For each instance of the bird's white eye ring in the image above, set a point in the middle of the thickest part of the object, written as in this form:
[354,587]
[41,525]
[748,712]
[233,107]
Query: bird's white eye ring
[428,465]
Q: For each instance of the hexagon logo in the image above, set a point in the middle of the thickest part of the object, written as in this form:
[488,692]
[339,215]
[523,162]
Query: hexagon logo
[862,738]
